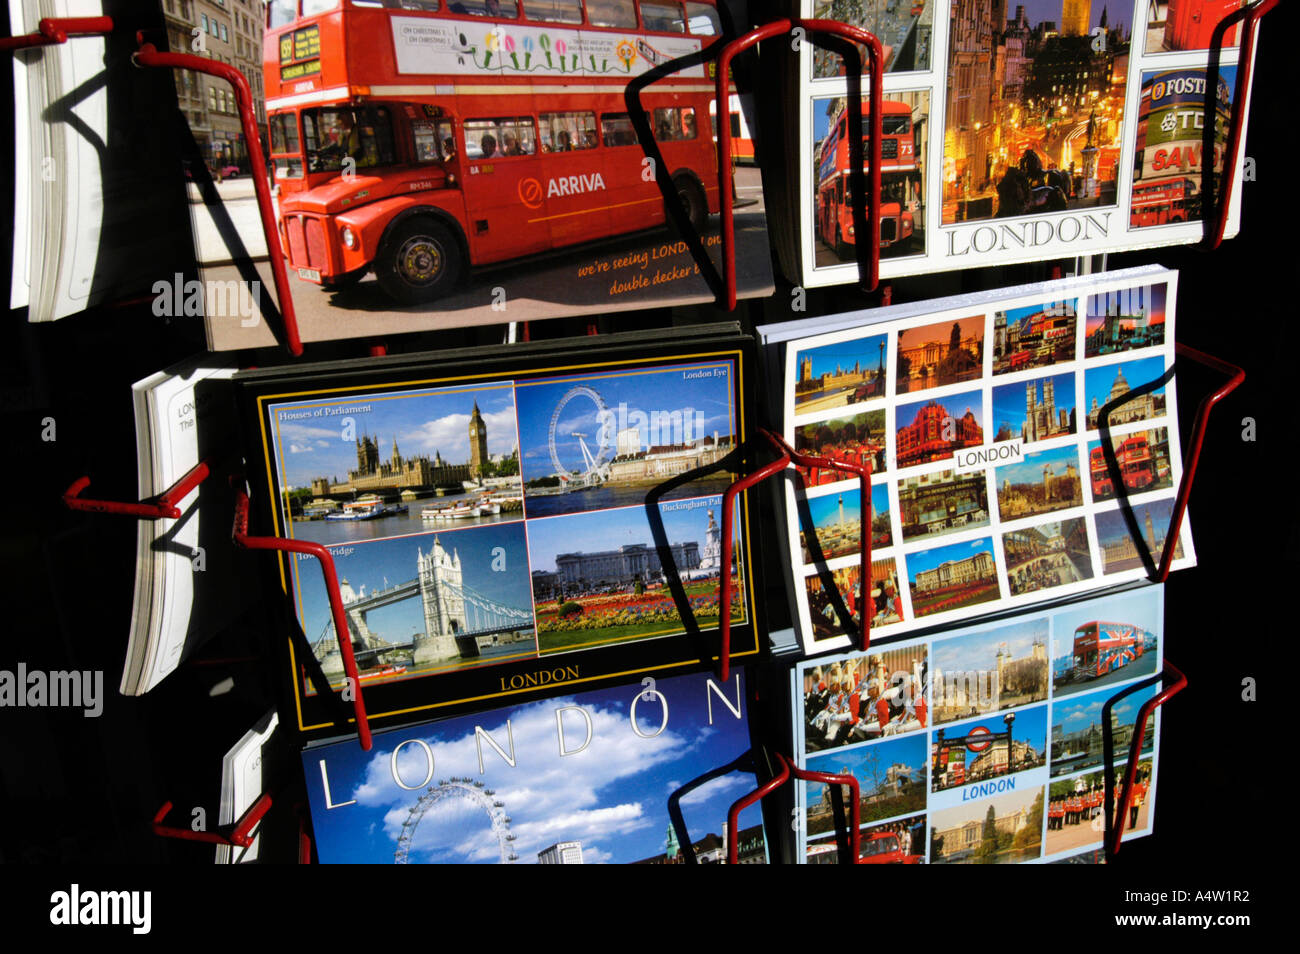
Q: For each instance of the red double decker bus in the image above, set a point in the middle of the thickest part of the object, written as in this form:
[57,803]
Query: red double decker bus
[1101,648]
[1137,466]
[1162,201]
[898,167]
[418,138]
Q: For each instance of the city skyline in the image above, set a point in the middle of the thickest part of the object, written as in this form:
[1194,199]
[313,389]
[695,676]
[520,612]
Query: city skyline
[1124,302]
[976,652]
[844,355]
[377,564]
[426,423]
[652,401]
[684,521]
[1098,381]
[1030,470]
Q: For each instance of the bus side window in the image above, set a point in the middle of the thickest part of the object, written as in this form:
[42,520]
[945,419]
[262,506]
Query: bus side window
[674,123]
[565,132]
[504,9]
[554,11]
[500,138]
[426,143]
[616,130]
[662,17]
[701,20]
[612,13]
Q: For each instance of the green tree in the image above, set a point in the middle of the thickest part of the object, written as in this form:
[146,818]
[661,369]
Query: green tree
[988,846]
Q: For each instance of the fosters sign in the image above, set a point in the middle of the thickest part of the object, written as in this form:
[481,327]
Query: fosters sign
[1174,109]
[426,46]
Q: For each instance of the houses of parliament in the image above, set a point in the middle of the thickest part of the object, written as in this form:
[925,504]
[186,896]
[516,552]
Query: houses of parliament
[409,473]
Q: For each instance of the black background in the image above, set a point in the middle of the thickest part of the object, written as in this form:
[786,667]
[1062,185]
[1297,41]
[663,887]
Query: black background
[77,791]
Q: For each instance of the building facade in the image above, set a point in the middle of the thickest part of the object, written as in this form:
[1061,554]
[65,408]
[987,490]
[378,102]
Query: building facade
[627,564]
[974,569]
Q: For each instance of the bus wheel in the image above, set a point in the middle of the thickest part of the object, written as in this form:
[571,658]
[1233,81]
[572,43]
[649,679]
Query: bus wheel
[421,260]
[693,200]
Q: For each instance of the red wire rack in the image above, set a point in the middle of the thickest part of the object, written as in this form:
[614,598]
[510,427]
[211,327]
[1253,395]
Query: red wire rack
[787,770]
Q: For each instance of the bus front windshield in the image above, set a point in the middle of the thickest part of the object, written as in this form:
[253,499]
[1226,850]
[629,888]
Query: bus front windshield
[333,135]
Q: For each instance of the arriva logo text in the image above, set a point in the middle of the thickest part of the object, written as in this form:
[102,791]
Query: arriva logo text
[575,185]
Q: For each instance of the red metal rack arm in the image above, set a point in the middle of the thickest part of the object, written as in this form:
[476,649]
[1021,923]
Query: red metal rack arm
[1216,197]
[341,632]
[864,492]
[1236,375]
[733,813]
[725,197]
[1115,823]
[163,506]
[148,55]
[724,584]
[241,833]
[876,56]
[722,93]
[51,31]
[855,795]
[1158,573]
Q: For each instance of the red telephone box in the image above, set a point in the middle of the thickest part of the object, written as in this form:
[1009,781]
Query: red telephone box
[1189,24]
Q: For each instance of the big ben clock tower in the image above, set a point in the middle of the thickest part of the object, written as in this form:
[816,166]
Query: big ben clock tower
[478,452]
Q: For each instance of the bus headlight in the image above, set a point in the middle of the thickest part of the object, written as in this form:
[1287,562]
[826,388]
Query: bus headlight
[349,239]
[850,231]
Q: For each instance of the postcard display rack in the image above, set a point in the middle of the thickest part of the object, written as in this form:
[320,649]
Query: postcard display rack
[977,656]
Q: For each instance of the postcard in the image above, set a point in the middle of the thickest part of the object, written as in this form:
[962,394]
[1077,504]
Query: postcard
[984,411]
[583,778]
[504,524]
[989,734]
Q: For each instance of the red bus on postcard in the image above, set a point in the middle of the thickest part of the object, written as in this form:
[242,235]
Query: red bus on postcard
[420,141]
[1137,466]
[897,164]
[1101,648]
[1162,201]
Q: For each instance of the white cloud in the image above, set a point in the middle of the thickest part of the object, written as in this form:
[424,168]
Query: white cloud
[449,436]
[548,798]
[736,782]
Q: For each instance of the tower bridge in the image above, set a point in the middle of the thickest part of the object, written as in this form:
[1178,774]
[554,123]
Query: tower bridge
[459,621]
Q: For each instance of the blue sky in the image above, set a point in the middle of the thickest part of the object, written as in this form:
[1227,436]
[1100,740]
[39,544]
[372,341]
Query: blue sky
[424,423]
[1111,525]
[1097,381]
[1079,712]
[1036,11]
[845,354]
[1009,400]
[974,652]
[910,750]
[1030,470]
[394,558]
[955,404]
[825,510]
[656,391]
[929,559]
[612,796]
[685,521]
[1030,726]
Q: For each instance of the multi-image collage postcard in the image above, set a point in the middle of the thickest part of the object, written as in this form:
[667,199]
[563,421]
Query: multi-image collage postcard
[1014,132]
[984,745]
[583,778]
[990,488]
[498,533]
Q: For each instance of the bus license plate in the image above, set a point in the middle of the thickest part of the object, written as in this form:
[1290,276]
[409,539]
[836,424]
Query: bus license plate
[309,275]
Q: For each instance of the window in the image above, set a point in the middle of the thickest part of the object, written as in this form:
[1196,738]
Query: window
[894,126]
[212,99]
[616,130]
[434,141]
[279,13]
[674,123]
[702,20]
[331,135]
[224,35]
[566,132]
[506,9]
[284,133]
[554,11]
[612,13]
[205,22]
[500,138]
[662,17]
